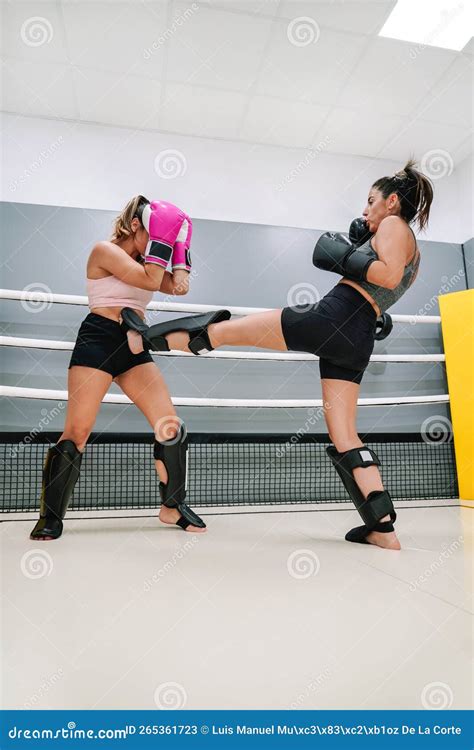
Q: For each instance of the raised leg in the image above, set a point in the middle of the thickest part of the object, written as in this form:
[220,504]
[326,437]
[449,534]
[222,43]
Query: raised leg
[262,330]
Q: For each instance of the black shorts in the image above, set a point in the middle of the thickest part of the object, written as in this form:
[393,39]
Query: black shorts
[103,345]
[339,329]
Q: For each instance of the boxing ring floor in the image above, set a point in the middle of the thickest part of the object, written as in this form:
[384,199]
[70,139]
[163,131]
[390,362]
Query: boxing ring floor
[269,609]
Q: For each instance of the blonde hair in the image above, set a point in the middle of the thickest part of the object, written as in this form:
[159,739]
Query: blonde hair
[123,222]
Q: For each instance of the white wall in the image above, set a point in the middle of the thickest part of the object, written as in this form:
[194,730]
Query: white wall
[66,164]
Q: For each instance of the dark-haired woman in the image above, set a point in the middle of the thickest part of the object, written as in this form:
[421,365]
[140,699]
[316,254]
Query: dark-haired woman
[124,271]
[376,272]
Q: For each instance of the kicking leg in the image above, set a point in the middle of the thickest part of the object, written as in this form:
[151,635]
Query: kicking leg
[260,329]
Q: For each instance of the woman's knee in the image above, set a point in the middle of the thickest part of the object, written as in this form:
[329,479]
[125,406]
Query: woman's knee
[167,428]
[78,434]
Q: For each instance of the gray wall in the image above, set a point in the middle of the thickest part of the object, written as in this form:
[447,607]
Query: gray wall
[237,264]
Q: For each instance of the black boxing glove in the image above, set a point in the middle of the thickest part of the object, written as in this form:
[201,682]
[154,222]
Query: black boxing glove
[334,252]
[383,327]
[359,232]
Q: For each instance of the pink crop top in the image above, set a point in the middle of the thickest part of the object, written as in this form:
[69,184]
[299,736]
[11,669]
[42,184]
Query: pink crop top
[112,292]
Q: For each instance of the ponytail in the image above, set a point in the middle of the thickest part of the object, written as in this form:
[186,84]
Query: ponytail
[414,190]
[123,222]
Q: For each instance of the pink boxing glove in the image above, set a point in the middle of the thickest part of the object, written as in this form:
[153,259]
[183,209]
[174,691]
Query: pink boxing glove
[163,222]
[181,257]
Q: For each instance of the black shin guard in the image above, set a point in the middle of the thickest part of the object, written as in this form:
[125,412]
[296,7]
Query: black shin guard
[154,337]
[173,454]
[378,503]
[60,474]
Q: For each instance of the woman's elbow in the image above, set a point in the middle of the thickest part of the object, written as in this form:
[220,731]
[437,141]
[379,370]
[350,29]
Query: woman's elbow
[391,282]
[181,290]
[181,287]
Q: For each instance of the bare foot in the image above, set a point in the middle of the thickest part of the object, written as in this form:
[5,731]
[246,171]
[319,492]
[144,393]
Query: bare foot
[386,541]
[171,515]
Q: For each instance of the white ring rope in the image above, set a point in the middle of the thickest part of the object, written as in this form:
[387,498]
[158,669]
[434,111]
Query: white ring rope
[279,356]
[252,403]
[70,299]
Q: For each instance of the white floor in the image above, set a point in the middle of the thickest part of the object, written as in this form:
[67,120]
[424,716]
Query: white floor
[267,610]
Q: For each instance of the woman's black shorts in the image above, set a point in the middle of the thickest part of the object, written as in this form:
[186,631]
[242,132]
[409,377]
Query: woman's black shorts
[339,329]
[102,344]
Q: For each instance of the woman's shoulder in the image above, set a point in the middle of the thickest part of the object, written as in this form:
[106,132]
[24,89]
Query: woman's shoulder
[394,227]
[100,251]
[104,246]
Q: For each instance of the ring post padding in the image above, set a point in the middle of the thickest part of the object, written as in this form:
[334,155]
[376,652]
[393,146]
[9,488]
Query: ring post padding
[457,325]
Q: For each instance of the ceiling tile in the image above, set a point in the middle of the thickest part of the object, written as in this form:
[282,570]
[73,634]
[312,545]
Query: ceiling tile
[122,37]
[344,15]
[282,123]
[130,101]
[200,111]
[469,47]
[451,99]
[352,132]
[312,73]
[420,137]
[218,49]
[251,7]
[41,89]
[392,76]
[33,32]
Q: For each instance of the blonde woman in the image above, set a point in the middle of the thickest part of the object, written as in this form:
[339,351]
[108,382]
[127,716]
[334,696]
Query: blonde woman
[124,272]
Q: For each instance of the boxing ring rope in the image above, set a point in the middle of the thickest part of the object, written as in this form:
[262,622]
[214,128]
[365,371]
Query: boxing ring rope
[247,403]
[56,395]
[279,356]
[70,299]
